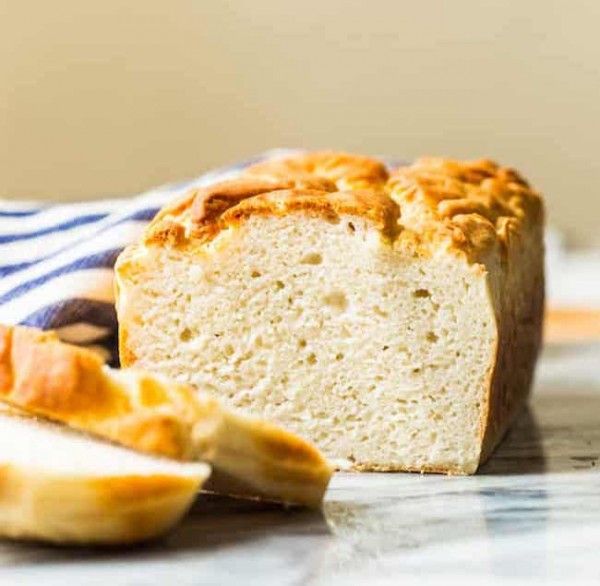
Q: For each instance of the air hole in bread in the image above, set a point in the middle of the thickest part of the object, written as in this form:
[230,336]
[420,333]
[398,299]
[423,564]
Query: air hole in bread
[380,311]
[312,258]
[336,299]
[432,337]
[185,335]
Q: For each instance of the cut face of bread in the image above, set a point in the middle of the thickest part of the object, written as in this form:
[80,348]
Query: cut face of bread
[396,327]
[60,486]
[378,358]
[154,414]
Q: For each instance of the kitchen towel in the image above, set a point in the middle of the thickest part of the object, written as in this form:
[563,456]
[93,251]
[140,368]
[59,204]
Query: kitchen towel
[56,260]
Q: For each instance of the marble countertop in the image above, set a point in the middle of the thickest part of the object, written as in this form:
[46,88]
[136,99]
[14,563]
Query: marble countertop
[531,514]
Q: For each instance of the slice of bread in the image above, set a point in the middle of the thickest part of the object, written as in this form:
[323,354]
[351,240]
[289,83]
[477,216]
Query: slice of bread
[393,319]
[153,414]
[61,486]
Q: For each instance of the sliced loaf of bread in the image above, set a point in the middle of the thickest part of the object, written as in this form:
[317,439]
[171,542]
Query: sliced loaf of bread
[393,318]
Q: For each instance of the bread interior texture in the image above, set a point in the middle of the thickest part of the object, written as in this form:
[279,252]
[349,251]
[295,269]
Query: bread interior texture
[381,357]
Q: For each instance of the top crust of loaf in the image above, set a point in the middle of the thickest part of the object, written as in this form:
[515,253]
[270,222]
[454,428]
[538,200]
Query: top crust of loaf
[471,208]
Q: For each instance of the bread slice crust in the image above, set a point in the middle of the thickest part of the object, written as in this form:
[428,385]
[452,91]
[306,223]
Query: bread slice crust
[135,499]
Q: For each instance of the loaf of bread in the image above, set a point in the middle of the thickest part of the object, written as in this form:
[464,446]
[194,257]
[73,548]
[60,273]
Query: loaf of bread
[60,486]
[149,413]
[393,318]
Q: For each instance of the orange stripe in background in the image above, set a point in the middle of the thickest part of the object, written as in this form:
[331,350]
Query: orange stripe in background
[571,325]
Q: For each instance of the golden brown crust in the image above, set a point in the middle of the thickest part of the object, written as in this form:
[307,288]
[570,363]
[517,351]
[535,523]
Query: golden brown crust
[343,170]
[82,508]
[373,205]
[37,369]
[127,356]
[91,511]
[41,374]
[472,204]
[468,207]
[516,289]
[129,489]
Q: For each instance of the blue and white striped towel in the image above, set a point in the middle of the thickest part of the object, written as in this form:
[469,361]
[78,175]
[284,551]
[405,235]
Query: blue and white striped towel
[56,260]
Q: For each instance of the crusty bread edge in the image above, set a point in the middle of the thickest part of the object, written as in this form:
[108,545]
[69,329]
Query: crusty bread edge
[98,510]
[520,331]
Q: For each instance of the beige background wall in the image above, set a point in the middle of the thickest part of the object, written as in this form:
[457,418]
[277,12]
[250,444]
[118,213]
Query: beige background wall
[111,97]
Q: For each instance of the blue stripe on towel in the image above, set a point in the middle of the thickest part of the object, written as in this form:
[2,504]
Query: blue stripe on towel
[102,260]
[74,223]
[19,213]
[140,215]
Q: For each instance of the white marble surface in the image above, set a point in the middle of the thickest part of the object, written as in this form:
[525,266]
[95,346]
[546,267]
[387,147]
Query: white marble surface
[531,515]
